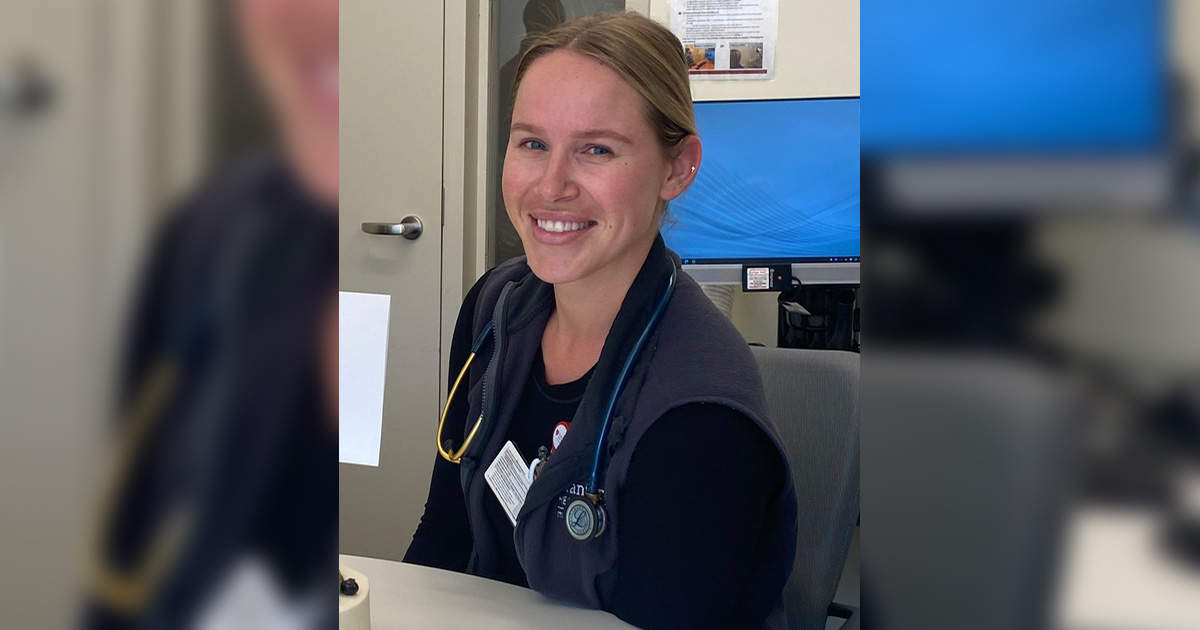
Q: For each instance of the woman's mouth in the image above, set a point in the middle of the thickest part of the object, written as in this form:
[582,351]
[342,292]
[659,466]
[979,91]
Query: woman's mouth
[558,232]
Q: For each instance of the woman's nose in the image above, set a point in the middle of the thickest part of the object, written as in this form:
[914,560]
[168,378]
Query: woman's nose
[557,182]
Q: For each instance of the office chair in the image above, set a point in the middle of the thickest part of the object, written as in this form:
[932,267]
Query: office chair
[813,400]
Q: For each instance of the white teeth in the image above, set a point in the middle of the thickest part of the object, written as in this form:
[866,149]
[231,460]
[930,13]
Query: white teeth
[560,226]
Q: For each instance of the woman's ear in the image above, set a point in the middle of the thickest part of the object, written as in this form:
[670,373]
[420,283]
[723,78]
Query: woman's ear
[684,166]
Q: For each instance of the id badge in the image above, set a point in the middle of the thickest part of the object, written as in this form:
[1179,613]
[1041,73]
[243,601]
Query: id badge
[507,476]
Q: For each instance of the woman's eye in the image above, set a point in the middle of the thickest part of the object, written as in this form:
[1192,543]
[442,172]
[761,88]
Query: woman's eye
[536,145]
[598,150]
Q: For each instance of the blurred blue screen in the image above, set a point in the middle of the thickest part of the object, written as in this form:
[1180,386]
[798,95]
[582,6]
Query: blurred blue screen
[778,181]
[1013,76]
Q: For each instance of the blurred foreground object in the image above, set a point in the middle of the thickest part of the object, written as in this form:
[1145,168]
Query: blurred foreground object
[220,507]
[969,457]
[226,460]
[1030,429]
[104,122]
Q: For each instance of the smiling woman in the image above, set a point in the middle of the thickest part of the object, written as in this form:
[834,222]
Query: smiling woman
[598,380]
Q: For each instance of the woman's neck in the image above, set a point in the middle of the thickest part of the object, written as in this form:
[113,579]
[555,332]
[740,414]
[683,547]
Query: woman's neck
[584,312]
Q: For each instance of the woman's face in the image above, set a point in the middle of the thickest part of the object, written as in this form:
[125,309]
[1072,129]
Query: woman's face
[293,46]
[584,172]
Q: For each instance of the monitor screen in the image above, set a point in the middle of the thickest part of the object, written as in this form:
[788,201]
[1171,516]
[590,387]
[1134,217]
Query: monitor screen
[779,181]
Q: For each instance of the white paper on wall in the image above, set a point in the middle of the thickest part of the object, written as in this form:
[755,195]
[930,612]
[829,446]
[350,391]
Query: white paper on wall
[362,368]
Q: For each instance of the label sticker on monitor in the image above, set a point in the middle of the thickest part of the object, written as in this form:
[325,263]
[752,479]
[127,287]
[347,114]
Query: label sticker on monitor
[758,278]
[767,278]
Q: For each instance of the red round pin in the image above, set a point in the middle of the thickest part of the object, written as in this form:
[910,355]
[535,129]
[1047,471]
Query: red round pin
[560,432]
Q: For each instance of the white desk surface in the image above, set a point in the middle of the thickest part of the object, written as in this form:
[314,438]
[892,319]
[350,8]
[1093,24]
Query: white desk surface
[410,596]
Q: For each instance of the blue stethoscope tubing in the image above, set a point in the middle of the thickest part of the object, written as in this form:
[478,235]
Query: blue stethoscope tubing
[622,376]
[478,345]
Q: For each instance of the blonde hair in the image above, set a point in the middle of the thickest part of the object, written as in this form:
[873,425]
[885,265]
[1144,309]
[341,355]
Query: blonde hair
[645,54]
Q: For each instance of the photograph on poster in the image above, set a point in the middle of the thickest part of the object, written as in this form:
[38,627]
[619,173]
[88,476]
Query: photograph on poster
[745,55]
[701,56]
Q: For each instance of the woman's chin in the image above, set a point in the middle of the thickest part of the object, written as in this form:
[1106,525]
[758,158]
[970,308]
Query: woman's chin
[552,276]
[552,271]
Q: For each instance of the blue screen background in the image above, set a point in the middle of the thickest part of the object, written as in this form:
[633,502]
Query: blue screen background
[1013,76]
[778,180]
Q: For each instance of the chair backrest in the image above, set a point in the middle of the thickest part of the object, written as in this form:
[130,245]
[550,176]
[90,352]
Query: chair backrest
[813,399]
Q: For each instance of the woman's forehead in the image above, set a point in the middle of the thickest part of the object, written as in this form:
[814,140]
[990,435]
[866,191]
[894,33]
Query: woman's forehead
[569,91]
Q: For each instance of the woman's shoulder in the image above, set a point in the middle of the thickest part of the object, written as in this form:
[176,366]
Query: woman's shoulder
[698,339]
[486,288]
[511,269]
[463,326]
[700,357]
[472,296]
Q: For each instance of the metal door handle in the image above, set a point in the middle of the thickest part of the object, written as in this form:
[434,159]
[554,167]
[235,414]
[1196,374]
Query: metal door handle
[409,227]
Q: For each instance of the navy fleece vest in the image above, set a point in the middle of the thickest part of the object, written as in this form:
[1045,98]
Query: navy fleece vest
[694,355]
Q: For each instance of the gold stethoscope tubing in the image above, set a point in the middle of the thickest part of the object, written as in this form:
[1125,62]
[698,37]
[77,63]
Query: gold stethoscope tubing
[455,457]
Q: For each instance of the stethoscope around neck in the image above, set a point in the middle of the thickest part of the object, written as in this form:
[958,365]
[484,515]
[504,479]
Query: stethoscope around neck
[585,516]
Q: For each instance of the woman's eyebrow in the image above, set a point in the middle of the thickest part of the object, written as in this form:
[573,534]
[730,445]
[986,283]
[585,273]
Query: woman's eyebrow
[587,134]
[517,126]
[604,133]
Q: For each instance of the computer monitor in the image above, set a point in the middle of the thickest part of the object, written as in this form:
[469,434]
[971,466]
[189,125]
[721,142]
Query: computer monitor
[778,183]
[1041,106]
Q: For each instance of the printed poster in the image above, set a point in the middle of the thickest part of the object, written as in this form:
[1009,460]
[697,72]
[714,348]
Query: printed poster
[727,39]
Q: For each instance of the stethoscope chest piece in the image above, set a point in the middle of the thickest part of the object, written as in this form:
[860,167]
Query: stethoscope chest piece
[585,518]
